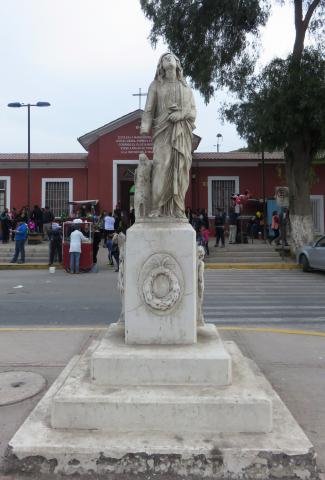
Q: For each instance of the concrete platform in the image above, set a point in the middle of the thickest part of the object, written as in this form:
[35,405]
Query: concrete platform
[242,406]
[284,453]
[205,363]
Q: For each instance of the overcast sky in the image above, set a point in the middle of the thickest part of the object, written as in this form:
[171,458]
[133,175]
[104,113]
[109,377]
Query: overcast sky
[87,57]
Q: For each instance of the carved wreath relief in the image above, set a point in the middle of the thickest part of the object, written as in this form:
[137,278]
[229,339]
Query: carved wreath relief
[161,283]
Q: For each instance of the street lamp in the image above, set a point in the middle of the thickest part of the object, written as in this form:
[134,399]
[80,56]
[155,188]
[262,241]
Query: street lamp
[263,186]
[28,105]
[219,137]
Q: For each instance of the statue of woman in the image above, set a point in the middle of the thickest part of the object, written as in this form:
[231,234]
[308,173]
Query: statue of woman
[170,112]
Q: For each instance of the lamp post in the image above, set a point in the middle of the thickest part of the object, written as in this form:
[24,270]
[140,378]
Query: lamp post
[28,105]
[219,137]
[263,187]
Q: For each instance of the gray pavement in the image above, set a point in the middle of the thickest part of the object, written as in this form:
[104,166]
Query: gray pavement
[265,297]
[293,364]
[36,297]
[54,316]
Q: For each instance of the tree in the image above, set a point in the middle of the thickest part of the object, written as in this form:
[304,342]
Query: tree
[213,38]
[282,105]
[284,108]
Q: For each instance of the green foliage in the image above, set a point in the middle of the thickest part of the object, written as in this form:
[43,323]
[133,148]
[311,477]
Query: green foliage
[64,217]
[215,39]
[286,101]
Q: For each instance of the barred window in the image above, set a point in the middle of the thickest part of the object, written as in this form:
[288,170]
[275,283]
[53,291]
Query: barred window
[221,194]
[57,197]
[317,208]
[2,195]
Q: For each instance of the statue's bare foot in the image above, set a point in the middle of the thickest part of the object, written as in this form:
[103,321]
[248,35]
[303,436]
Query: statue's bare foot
[154,214]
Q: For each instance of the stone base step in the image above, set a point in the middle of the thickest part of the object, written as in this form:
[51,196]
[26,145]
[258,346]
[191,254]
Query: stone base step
[264,253]
[204,363]
[230,259]
[243,247]
[240,407]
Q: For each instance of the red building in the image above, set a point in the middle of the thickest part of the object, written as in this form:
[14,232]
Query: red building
[105,172]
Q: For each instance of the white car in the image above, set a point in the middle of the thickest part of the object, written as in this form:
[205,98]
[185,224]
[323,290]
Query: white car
[312,256]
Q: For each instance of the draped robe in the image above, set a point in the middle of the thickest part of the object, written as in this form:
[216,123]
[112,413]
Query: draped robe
[172,144]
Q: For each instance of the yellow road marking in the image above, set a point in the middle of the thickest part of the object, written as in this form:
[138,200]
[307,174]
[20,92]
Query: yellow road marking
[252,266]
[285,331]
[51,329]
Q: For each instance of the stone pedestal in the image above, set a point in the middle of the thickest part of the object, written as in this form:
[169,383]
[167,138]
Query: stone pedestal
[159,396]
[192,401]
[160,283]
[202,438]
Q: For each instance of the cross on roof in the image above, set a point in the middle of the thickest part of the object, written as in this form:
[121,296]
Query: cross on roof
[139,95]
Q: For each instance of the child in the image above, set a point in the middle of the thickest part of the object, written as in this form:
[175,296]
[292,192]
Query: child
[115,253]
[31,225]
[205,239]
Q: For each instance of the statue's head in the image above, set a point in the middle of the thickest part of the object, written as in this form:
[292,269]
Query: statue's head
[165,59]
[200,252]
[143,158]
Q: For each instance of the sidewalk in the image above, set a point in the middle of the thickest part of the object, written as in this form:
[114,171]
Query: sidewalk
[257,255]
[294,364]
[252,255]
[37,257]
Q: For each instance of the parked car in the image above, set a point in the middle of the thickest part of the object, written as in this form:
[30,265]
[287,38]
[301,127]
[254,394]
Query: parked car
[312,256]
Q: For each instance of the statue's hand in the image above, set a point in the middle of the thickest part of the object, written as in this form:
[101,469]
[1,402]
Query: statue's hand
[175,117]
[144,131]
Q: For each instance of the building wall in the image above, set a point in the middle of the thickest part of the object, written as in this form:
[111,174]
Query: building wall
[123,144]
[100,180]
[18,182]
[249,178]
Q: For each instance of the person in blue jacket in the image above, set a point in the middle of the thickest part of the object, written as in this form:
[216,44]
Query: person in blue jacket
[20,239]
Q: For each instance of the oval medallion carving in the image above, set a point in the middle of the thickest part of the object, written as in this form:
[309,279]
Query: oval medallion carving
[161,283]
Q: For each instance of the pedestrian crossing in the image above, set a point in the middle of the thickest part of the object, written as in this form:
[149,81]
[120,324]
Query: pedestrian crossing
[264,297]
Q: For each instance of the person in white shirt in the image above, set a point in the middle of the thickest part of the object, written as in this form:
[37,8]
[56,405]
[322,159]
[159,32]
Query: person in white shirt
[75,248]
[109,222]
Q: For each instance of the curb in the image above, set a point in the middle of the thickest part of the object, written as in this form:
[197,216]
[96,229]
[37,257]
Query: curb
[26,266]
[252,266]
[208,266]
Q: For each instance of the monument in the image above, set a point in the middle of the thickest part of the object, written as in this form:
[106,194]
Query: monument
[160,394]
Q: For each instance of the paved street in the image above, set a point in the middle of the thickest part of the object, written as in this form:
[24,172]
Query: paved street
[260,297]
[265,297]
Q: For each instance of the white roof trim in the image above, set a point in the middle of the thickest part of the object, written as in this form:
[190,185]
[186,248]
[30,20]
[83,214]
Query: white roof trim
[89,138]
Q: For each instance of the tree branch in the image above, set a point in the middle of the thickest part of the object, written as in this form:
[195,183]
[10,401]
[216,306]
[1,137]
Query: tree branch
[312,7]
[300,32]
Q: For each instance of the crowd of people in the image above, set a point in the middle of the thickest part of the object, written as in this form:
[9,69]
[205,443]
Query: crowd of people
[237,228]
[16,225]
[108,225]
[37,220]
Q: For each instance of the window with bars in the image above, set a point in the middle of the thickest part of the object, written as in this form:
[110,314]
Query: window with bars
[221,194]
[57,197]
[2,195]
[317,208]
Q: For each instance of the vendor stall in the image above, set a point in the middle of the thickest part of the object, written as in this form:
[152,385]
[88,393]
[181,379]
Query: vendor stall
[86,256]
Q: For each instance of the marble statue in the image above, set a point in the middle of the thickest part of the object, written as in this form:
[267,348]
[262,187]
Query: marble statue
[170,113]
[120,279]
[142,181]
[200,285]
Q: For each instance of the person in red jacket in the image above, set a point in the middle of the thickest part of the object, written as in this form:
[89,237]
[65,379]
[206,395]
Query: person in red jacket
[205,239]
[275,227]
